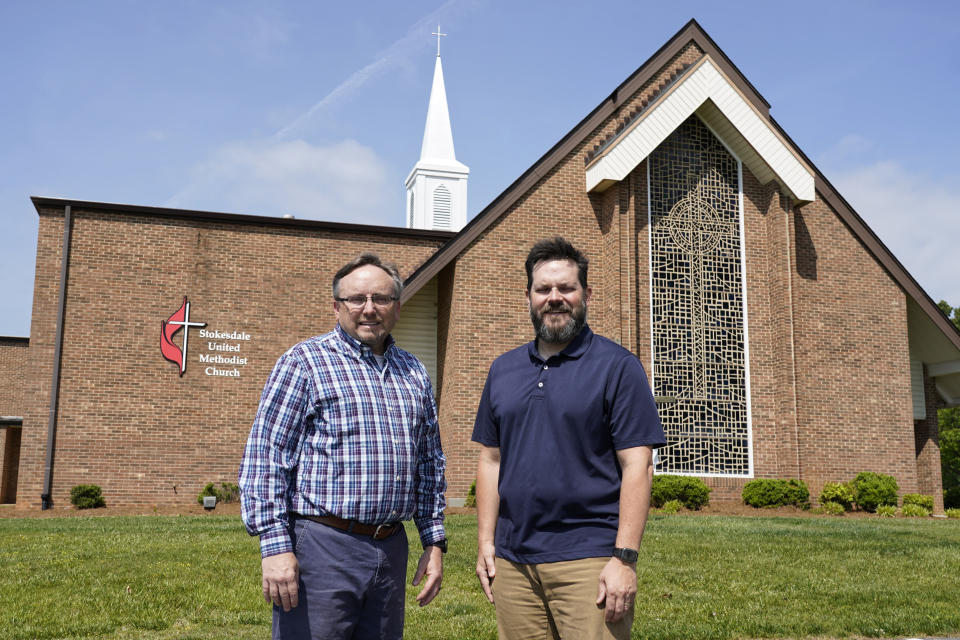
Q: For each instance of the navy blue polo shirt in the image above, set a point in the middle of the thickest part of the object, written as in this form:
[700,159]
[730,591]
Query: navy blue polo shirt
[558,424]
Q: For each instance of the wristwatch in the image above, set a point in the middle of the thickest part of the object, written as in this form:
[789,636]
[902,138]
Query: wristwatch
[442,544]
[627,555]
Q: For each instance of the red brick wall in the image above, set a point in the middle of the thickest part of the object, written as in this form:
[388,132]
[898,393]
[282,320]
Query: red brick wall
[855,411]
[127,421]
[13,365]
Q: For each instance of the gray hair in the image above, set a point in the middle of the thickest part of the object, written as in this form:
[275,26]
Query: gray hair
[365,259]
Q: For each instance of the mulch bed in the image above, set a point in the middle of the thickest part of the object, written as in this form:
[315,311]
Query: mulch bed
[194,509]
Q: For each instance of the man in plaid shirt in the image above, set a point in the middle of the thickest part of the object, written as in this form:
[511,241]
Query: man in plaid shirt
[345,445]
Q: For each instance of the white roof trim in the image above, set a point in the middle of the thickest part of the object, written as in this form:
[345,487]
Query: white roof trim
[703,82]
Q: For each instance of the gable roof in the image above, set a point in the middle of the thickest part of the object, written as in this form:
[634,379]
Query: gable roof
[703,89]
[691,32]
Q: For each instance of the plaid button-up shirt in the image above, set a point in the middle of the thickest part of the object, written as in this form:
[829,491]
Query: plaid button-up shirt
[338,434]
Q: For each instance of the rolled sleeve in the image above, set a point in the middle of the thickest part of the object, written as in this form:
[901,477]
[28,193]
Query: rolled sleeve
[430,482]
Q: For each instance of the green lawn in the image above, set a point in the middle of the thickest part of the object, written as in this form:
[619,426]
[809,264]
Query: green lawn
[700,577]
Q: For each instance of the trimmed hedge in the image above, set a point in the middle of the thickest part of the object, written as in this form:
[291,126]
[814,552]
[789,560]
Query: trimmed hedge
[872,490]
[87,496]
[692,493]
[776,492]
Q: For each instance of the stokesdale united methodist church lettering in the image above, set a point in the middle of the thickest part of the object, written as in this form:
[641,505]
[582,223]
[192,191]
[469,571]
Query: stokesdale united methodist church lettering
[223,347]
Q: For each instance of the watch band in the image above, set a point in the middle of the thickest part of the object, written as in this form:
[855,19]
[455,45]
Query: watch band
[627,555]
[442,544]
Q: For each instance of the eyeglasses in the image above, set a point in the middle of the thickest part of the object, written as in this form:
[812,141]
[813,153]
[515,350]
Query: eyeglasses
[359,302]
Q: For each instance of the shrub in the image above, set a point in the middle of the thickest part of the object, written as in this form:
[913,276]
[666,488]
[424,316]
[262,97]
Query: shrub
[840,493]
[692,493]
[671,506]
[953,513]
[776,492]
[886,511]
[872,490]
[471,499]
[87,496]
[914,511]
[951,498]
[227,492]
[833,508]
[920,500]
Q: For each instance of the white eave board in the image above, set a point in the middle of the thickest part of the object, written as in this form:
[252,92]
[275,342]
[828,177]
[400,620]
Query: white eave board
[756,140]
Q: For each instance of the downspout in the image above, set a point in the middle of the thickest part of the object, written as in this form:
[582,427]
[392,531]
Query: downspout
[46,500]
[789,209]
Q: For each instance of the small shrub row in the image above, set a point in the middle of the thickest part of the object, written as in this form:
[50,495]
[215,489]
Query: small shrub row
[886,511]
[776,492]
[692,493]
[226,492]
[953,513]
[869,491]
[87,496]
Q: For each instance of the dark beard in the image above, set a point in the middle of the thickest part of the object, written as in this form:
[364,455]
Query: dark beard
[566,333]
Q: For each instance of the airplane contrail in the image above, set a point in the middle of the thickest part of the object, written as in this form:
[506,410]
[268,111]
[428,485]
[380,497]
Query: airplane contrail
[413,39]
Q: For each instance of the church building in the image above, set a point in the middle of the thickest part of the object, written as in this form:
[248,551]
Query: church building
[719,255]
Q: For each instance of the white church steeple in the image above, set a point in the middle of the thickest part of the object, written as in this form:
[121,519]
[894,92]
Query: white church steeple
[437,186]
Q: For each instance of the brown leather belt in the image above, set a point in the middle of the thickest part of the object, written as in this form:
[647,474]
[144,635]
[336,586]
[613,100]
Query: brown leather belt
[375,531]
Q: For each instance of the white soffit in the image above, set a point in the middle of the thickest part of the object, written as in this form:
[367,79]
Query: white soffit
[704,90]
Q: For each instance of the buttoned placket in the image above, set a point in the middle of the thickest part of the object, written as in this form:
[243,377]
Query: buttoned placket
[543,369]
[390,384]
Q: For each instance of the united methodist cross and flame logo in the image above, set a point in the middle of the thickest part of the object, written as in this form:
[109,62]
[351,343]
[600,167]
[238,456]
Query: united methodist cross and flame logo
[169,327]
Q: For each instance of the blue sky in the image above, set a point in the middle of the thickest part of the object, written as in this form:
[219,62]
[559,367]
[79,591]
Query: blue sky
[317,109]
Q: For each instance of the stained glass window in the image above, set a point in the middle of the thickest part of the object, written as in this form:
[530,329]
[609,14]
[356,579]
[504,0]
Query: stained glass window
[698,332]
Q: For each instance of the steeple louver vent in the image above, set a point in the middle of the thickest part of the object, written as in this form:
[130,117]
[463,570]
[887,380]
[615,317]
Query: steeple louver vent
[441,208]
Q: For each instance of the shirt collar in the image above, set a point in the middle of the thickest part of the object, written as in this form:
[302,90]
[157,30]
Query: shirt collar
[577,347]
[358,348]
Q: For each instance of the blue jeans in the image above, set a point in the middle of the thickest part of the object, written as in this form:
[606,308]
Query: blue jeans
[351,586]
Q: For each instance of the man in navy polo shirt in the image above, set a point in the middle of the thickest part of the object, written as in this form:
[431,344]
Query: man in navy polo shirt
[568,424]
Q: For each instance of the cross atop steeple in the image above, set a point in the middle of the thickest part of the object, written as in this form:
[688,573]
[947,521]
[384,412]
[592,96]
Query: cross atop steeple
[438,34]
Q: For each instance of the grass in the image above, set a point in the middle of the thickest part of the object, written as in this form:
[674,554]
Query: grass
[157,577]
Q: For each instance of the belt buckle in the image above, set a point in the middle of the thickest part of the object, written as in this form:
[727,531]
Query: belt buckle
[376,531]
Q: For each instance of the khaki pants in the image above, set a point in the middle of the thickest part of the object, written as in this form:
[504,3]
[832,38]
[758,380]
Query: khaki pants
[553,600]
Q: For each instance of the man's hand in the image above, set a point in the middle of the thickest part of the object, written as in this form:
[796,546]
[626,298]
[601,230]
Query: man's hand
[486,570]
[618,588]
[281,580]
[431,565]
